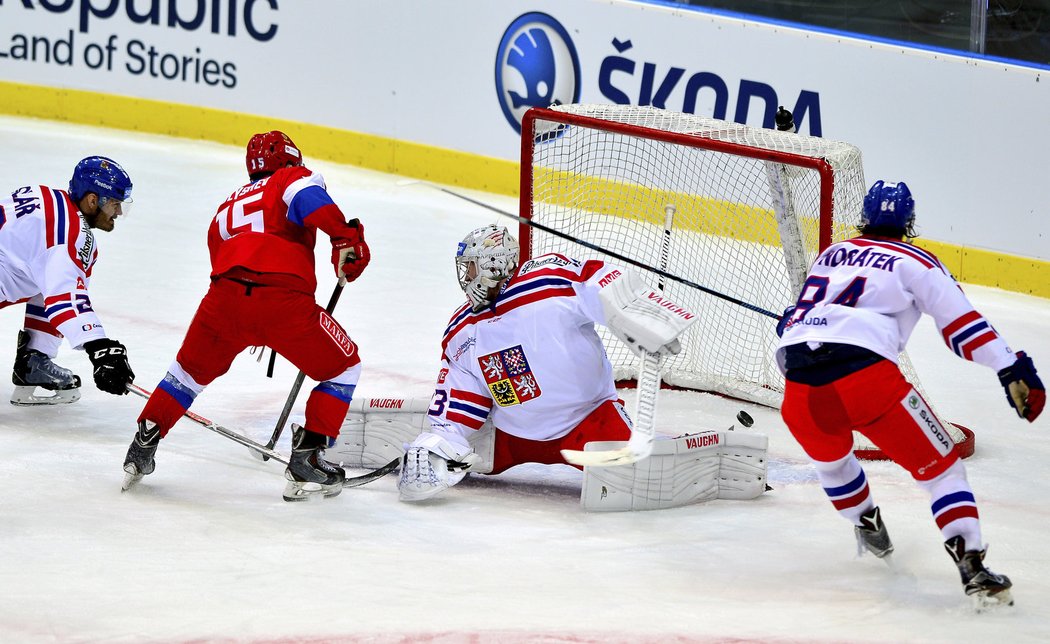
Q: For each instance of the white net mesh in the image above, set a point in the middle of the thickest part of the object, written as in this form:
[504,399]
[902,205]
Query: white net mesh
[745,221]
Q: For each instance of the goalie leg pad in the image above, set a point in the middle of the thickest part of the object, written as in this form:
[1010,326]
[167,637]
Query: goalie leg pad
[681,471]
[376,431]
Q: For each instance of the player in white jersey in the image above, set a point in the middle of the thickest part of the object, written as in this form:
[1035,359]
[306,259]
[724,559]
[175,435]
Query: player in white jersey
[838,352]
[523,353]
[47,252]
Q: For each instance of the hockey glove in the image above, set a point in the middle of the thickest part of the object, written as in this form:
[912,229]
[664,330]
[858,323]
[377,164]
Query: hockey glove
[110,360]
[1024,389]
[782,323]
[350,252]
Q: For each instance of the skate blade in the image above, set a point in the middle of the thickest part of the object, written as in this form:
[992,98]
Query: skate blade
[131,478]
[25,396]
[295,491]
[984,603]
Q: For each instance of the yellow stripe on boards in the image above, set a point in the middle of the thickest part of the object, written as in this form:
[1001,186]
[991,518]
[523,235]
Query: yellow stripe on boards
[970,265]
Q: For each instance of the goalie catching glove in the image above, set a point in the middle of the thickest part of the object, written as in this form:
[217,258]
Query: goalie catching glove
[350,253]
[1024,389]
[112,372]
[644,319]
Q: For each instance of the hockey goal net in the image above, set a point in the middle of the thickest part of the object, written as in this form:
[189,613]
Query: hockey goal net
[746,210]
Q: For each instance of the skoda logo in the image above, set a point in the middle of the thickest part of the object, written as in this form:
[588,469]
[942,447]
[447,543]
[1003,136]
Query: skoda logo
[536,66]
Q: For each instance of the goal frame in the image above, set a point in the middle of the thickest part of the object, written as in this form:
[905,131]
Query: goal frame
[528,138]
[824,169]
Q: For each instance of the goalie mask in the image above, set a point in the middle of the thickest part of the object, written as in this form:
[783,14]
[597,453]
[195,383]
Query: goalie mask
[485,258]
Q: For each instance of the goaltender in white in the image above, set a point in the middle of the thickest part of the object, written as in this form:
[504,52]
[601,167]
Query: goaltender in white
[524,375]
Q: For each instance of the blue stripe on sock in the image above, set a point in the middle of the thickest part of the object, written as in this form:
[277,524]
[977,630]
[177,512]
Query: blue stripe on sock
[180,392]
[950,499]
[344,393]
[848,488]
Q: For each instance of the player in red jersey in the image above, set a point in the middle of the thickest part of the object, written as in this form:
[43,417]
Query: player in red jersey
[838,351]
[262,294]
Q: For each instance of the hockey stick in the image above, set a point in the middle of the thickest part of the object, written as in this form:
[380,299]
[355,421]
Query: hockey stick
[640,444]
[614,255]
[298,384]
[350,481]
[217,428]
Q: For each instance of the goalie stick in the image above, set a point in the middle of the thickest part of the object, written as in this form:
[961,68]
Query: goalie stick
[643,430]
[576,240]
[297,385]
[353,481]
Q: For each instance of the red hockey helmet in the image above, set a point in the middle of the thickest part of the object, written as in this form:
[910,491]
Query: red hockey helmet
[271,151]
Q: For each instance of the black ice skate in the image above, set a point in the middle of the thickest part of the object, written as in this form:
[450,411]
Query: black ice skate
[986,588]
[872,535]
[309,475]
[33,369]
[139,461]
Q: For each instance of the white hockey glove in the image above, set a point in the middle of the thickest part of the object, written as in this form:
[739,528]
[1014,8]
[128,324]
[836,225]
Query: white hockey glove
[431,465]
[644,319]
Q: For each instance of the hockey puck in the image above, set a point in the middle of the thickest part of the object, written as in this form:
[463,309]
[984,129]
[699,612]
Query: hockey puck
[745,418]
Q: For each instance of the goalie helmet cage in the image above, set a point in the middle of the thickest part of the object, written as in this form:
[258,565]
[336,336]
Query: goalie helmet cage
[748,211]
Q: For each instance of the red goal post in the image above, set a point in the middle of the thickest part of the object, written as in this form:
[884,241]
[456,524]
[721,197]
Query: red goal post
[747,209]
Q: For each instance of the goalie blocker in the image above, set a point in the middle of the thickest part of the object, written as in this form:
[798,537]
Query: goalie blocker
[681,471]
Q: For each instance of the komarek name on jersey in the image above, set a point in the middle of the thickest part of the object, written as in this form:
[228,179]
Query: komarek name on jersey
[899,282]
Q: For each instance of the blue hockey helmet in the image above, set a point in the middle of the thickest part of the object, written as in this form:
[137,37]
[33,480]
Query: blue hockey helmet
[104,177]
[888,207]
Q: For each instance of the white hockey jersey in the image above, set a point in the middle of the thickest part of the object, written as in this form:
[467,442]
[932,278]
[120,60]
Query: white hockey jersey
[46,255]
[533,360]
[871,291]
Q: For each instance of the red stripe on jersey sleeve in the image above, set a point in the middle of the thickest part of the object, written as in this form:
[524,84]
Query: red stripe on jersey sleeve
[957,324]
[466,421]
[42,326]
[976,343]
[57,299]
[64,316]
[471,397]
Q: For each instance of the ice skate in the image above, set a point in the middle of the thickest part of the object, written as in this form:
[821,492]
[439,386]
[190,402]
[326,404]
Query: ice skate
[987,589]
[139,460]
[309,475]
[872,534]
[35,370]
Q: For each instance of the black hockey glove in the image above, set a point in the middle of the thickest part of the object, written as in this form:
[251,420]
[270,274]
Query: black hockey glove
[110,360]
[1024,389]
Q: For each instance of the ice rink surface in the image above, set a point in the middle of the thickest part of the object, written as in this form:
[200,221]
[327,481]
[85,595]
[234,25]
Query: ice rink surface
[205,550]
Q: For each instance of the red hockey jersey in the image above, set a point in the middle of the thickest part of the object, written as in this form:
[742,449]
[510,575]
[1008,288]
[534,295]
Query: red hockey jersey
[270,226]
